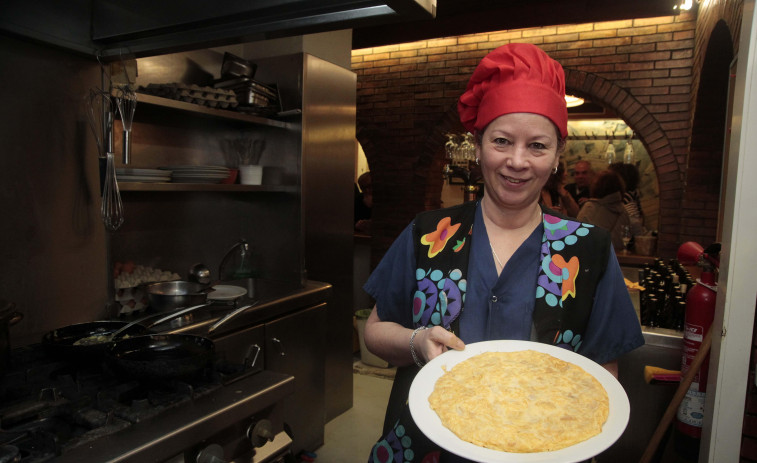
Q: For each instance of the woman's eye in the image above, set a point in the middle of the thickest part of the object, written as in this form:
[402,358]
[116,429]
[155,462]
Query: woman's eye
[538,146]
[501,141]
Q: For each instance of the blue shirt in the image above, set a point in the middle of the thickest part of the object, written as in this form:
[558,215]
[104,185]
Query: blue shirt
[501,307]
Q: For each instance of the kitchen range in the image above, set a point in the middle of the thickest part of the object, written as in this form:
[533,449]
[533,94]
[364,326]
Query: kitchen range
[60,403]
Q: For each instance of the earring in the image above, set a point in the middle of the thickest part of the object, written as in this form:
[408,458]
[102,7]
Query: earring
[478,161]
[554,171]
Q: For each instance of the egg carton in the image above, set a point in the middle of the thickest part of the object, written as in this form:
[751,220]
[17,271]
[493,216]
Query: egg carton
[131,294]
[195,94]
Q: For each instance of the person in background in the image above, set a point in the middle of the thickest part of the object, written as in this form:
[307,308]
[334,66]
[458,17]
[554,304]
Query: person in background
[555,197]
[605,207]
[582,176]
[631,198]
[502,267]
[363,203]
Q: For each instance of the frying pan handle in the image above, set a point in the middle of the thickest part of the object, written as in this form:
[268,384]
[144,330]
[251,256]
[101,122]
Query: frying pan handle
[231,315]
[257,349]
[177,313]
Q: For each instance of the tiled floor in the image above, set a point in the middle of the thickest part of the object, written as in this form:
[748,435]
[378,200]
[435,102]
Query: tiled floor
[349,437]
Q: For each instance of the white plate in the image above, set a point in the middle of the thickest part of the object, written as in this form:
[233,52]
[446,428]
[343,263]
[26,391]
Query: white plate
[430,424]
[226,292]
[196,168]
[140,178]
[201,175]
[142,172]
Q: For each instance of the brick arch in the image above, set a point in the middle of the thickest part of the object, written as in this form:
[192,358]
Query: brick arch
[708,138]
[649,130]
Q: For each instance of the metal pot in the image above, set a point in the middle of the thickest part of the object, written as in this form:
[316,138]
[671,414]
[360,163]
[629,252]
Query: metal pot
[169,295]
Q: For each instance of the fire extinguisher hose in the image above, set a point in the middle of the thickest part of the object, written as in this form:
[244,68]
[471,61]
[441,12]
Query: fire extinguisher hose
[670,412]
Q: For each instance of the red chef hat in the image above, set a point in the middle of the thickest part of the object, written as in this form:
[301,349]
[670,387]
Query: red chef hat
[514,78]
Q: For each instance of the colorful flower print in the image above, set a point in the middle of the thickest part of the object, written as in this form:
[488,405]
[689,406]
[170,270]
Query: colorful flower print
[436,240]
[438,299]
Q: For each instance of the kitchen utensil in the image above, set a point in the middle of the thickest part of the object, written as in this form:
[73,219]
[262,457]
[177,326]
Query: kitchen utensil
[126,99]
[62,342]
[112,209]
[227,292]
[173,315]
[100,117]
[234,66]
[169,295]
[67,342]
[231,315]
[199,273]
[161,356]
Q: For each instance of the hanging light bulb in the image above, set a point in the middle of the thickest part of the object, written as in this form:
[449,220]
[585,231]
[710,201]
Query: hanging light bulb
[628,154]
[573,101]
[610,153]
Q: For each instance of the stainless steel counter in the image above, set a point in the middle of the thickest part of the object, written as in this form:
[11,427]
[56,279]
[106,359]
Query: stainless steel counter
[662,348]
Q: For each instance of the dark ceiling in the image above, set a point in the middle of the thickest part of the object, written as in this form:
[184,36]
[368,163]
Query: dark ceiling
[460,17]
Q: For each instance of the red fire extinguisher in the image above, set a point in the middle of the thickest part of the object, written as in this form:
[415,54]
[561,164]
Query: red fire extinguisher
[700,312]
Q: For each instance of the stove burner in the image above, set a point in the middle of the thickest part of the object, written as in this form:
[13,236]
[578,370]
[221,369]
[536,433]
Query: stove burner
[9,454]
[50,407]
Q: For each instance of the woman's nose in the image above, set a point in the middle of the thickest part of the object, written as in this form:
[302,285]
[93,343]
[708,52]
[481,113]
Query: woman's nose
[516,158]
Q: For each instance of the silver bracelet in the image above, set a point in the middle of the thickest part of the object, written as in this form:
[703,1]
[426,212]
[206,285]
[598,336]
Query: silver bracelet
[412,347]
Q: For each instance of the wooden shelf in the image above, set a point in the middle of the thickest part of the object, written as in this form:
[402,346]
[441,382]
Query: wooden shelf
[209,187]
[145,98]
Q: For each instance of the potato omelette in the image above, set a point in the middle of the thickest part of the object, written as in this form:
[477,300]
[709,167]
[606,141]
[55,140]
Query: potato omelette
[523,401]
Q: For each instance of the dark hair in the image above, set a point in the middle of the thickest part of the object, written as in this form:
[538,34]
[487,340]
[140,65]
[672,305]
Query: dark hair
[628,172]
[605,183]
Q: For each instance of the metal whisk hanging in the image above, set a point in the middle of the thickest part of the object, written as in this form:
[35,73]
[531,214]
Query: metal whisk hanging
[100,111]
[126,99]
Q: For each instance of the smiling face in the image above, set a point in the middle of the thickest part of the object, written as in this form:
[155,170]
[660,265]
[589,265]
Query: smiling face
[517,153]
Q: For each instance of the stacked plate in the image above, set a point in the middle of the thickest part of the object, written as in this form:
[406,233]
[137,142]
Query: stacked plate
[197,174]
[128,174]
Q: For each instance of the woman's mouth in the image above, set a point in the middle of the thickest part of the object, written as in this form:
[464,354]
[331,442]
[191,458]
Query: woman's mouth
[514,180]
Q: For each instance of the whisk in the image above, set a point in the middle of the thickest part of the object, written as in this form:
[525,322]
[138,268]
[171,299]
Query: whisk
[100,117]
[100,111]
[126,99]
[112,209]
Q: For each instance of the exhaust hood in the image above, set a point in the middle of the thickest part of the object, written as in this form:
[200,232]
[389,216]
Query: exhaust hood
[110,28]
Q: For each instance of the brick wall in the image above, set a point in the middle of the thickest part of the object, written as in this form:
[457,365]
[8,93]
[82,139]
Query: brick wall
[642,69]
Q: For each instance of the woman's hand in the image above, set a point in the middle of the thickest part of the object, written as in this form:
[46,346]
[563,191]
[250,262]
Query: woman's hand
[391,341]
[434,341]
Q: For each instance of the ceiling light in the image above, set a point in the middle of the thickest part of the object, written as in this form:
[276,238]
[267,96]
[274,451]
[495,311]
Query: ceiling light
[685,5]
[573,101]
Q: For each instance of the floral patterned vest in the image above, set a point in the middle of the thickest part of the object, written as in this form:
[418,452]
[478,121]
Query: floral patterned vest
[573,259]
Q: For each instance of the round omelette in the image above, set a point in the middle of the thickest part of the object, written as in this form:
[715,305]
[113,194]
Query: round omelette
[523,401]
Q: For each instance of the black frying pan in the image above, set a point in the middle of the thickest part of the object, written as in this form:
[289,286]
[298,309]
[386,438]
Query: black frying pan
[62,343]
[161,356]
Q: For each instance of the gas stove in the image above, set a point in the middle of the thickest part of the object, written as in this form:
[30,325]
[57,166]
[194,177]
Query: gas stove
[63,411]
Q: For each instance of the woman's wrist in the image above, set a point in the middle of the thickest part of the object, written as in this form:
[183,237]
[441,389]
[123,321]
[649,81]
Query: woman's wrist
[416,358]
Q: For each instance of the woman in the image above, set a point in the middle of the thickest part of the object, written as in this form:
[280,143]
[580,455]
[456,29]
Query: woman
[457,275]
[554,195]
[605,207]
[632,196]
